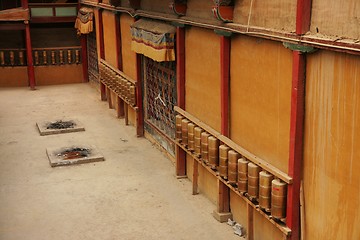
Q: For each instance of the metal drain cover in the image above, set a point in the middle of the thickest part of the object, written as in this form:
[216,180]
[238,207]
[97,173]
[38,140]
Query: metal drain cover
[59,126]
[73,155]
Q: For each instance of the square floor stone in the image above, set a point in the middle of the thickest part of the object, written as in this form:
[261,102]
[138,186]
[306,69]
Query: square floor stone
[59,126]
[76,154]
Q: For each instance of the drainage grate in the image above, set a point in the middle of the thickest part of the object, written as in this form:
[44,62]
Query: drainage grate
[59,126]
[73,155]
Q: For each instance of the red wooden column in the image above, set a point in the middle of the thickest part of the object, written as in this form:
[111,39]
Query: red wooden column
[120,102]
[222,213]
[102,52]
[30,62]
[84,57]
[303,18]
[139,98]
[180,89]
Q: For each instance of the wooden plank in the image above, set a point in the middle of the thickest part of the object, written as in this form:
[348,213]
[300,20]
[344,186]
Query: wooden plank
[195,189]
[250,222]
[180,162]
[302,211]
[281,226]
[120,108]
[15,14]
[224,197]
[258,161]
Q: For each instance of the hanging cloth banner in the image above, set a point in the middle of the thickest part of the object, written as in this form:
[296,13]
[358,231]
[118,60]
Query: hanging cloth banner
[84,21]
[154,39]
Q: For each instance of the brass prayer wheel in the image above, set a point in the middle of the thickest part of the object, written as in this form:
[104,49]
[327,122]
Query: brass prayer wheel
[197,140]
[132,95]
[253,180]
[2,58]
[223,161]
[242,174]
[265,190]
[232,170]
[278,199]
[191,127]
[205,146]
[213,152]
[184,131]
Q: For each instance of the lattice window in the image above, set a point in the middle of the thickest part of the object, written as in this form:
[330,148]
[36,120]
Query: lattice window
[93,68]
[160,95]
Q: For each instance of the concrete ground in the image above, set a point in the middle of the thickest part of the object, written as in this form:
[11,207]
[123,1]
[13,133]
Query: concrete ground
[132,195]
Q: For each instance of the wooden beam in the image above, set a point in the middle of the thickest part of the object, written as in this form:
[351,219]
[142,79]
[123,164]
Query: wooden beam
[30,62]
[296,143]
[120,108]
[139,98]
[224,198]
[225,83]
[195,179]
[25,3]
[303,16]
[84,57]
[119,61]
[15,14]
[250,222]
[101,51]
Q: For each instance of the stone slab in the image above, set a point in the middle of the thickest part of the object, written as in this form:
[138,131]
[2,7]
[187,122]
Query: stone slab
[56,160]
[222,217]
[42,126]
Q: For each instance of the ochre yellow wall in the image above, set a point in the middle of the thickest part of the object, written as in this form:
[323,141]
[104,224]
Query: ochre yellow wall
[200,9]
[202,66]
[64,74]
[128,56]
[265,230]
[13,77]
[238,209]
[332,152]
[260,98]
[109,37]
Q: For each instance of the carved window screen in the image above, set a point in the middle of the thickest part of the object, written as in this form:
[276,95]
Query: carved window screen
[93,67]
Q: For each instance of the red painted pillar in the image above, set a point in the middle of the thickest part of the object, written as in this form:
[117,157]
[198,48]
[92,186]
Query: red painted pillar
[25,4]
[225,83]
[180,87]
[139,99]
[296,143]
[30,62]
[102,53]
[84,57]
[303,16]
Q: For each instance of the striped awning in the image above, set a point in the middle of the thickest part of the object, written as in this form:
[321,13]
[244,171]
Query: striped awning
[154,39]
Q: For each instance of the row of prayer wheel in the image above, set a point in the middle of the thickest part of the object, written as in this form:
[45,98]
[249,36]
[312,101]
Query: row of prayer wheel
[120,85]
[249,178]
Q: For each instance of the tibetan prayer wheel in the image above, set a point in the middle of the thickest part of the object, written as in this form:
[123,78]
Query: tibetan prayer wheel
[21,58]
[44,57]
[184,131]
[12,58]
[178,120]
[223,161]
[2,58]
[265,190]
[253,180]
[213,152]
[61,56]
[69,57]
[132,95]
[197,140]
[205,146]
[278,199]
[191,139]
[242,174]
[232,169]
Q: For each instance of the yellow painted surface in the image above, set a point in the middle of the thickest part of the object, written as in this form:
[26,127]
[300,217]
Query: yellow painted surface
[275,14]
[132,117]
[64,74]
[238,209]
[203,75]
[97,27]
[260,98]
[109,37]
[336,18]
[128,56]
[13,77]
[200,9]
[265,230]
[207,184]
[332,152]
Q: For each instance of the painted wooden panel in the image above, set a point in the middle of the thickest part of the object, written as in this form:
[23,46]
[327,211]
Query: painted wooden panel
[128,56]
[264,230]
[332,146]
[51,75]
[13,77]
[208,184]
[156,6]
[260,97]
[340,18]
[109,38]
[238,209]
[202,75]
[97,29]
[275,14]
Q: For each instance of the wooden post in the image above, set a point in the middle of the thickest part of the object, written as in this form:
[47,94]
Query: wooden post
[25,4]
[303,16]
[121,103]
[195,177]
[102,52]
[139,99]
[225,83]
[222,213]
[250,222]
[30,62]
[180,89]
[296,143]
[84,58]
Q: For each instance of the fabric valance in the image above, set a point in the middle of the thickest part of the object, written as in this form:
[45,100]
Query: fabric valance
[154,39]
[84,21]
